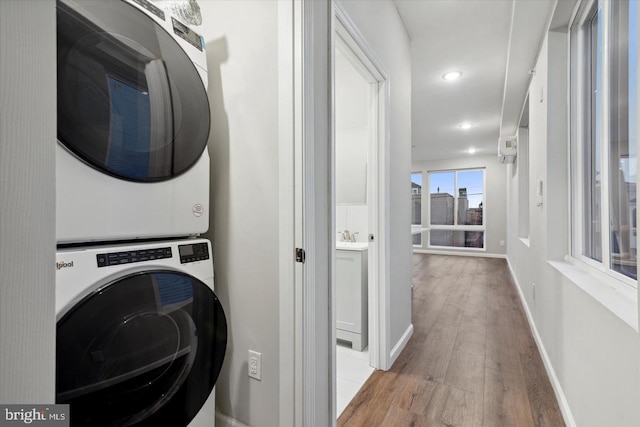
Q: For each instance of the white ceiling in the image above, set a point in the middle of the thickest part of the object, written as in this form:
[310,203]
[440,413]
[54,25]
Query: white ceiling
[494,43]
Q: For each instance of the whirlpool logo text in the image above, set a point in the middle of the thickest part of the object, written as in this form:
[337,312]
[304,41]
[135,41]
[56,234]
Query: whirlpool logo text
[63,264]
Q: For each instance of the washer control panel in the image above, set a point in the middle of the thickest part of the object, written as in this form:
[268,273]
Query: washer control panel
[129,257]
[193,252]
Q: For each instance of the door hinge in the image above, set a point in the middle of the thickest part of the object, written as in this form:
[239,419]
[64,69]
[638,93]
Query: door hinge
[301,255]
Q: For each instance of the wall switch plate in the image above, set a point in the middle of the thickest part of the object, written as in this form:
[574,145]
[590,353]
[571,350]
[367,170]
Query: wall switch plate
[539,190]
[255,365]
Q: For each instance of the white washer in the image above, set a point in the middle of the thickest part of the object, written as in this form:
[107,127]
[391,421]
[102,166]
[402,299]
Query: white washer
[141,336]
[133,124]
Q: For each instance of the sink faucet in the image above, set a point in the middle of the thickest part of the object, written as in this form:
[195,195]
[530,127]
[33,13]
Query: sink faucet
[346,236]
[349,237]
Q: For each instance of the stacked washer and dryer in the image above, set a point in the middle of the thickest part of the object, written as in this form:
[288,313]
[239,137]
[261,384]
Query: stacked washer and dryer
[141,335]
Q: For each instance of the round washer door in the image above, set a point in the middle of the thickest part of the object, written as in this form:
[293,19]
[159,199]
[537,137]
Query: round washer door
[131,103]
[145,350]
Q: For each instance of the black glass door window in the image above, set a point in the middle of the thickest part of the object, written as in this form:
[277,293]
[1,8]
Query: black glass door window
[145,350]
[130,101]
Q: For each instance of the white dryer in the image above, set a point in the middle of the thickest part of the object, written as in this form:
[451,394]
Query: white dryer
[133,123]
[141,336]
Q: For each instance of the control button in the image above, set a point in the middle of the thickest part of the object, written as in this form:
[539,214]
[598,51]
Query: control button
[102,260]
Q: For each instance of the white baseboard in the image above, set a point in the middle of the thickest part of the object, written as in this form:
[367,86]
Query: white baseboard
[555,383]
[397,349]
[223,420]
[459,253]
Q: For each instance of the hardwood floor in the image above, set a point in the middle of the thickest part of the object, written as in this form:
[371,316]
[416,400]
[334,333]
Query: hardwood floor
[472,360]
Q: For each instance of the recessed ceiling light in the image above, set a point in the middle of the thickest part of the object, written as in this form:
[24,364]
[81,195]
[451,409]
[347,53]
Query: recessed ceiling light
[466,125]
[452,75]
[471,150]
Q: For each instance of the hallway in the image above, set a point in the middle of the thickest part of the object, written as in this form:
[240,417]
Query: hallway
[472,360]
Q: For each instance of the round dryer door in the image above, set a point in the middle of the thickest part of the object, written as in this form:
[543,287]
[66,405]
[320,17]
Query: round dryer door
[131,103]
[145,350]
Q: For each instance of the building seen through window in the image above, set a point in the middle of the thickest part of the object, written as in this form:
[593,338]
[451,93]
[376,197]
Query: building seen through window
[456,208]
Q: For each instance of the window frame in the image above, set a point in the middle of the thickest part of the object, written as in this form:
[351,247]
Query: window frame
[583,123]
[420,238]
[456,226]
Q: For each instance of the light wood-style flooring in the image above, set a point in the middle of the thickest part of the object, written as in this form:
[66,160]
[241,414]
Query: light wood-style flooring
[472,360]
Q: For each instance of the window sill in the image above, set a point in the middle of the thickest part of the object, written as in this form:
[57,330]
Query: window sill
[456,249]
[418,229]
[618,298]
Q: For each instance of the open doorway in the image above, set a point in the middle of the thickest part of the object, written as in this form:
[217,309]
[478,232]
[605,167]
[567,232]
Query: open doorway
[360,182]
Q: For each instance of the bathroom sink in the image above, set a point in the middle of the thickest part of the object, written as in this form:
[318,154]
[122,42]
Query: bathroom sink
[352,246]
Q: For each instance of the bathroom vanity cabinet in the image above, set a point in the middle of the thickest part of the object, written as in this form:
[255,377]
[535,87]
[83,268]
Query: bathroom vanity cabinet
[352,294]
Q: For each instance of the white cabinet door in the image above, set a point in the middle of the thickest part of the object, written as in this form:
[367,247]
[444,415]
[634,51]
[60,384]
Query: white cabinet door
[352,297]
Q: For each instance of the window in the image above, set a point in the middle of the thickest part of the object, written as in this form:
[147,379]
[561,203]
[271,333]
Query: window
[456,212]
[604,114]
[416,206]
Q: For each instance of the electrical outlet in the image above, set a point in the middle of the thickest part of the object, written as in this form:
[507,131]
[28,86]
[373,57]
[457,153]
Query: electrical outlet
[255,365]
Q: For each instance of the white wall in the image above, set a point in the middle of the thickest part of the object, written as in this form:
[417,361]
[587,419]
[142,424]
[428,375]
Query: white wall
[242,56]
[354,218]
[27,201]
[352,112]
[593,353]
[381,26]
[494,206]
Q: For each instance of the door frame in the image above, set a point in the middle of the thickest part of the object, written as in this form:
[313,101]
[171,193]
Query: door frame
[307,199]
[304,68]
[377,187]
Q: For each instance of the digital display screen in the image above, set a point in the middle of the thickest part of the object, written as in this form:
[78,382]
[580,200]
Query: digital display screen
[186,250]
[193,252]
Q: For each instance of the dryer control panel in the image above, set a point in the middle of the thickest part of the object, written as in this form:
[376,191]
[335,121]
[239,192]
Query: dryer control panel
[193,252]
